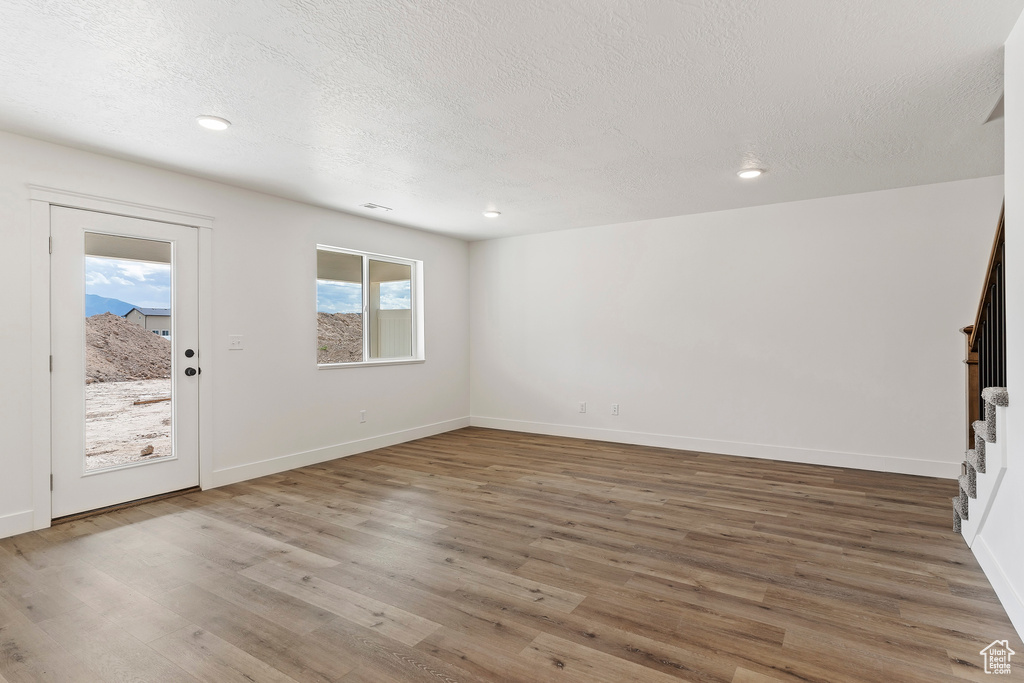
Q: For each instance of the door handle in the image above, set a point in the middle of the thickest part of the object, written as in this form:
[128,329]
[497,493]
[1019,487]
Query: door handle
[189,372]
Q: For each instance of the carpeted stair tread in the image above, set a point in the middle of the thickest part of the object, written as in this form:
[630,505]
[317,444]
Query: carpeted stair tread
[957,524]
[976,460]
[960,506]
[996,396]
[968,485]
[986,429]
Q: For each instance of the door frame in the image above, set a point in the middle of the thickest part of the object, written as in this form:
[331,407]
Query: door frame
[40,201]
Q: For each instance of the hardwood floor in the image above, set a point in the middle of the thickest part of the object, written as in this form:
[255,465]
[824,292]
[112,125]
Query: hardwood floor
[482,555]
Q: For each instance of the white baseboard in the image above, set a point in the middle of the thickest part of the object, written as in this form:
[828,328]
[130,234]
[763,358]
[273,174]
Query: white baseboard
[233,475]
[860,461]
[1002,585]
[16,523]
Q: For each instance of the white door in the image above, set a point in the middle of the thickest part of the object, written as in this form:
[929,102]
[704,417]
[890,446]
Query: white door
[125,383]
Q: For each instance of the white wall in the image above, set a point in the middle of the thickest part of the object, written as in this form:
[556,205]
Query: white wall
[999,546]
[269,400]
[821,331]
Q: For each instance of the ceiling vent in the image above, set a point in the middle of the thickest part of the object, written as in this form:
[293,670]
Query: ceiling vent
[375,207]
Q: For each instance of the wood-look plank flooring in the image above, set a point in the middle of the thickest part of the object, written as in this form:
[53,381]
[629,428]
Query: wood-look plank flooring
[482,555]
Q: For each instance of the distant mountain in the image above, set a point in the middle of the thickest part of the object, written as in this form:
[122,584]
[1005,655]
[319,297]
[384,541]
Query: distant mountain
[94,305]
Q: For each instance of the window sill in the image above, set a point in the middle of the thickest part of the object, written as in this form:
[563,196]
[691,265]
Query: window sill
[371,363]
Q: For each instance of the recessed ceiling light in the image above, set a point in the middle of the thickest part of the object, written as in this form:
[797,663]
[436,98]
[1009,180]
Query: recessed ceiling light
[213,122]
[375,207]
[750,173]
[492,213]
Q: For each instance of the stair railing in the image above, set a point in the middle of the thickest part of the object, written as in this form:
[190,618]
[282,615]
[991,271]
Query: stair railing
[986,338]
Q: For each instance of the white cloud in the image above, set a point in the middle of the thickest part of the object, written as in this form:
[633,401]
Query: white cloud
[395,296]
[96,278]
[138,283]
[140,271]
[338,297]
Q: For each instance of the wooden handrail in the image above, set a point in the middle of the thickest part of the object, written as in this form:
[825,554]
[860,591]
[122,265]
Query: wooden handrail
[995,258]
[985,355]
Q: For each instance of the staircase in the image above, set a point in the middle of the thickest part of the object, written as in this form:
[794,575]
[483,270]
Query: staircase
[983,466]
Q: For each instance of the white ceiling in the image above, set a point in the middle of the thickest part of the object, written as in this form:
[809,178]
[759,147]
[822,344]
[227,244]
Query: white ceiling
[560,113]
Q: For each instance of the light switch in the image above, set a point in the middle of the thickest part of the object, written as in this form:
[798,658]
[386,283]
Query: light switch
[235,342]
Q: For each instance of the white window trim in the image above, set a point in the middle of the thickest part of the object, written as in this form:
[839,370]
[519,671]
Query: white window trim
[415,293]
[371,363]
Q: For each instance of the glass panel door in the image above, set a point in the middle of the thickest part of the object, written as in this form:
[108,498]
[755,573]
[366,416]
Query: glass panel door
[124,326]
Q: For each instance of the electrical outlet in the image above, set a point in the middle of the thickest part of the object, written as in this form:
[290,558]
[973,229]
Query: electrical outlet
[583,406]
[615,409]
[235,342]
[362,416]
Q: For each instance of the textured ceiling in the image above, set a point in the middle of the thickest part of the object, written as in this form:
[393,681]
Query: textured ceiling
[559,114]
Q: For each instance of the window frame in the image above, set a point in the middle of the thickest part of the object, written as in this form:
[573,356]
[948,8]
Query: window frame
[415,302]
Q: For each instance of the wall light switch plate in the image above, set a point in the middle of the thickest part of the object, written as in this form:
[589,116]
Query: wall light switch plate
[235,342]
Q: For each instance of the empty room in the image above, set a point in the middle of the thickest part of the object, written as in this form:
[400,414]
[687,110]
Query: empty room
[399,340]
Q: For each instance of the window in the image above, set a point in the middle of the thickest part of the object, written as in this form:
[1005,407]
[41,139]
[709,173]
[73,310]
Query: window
[367,308]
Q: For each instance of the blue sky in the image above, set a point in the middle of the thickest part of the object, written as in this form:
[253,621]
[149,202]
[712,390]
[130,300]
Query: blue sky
[338,297]
[347,297]
[140,283]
